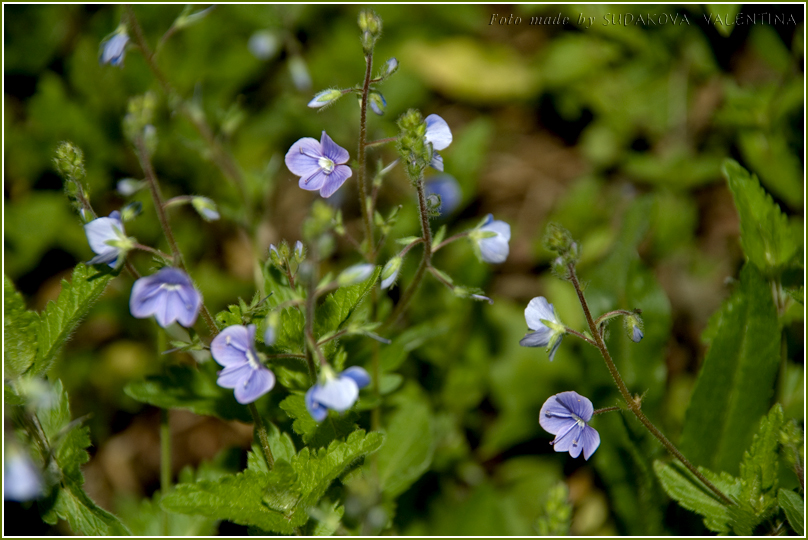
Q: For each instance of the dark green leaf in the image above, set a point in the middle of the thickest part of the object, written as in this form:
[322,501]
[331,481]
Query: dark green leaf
[410,443]
[192,389]
[315,434]
[736,381]
[691,493]
[68,442]
[19,332]
[794,508]
[340,305]
[768,239]
[61,318]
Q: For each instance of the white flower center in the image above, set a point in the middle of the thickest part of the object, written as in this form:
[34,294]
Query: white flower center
[252,360]
[326,165]
[169,287]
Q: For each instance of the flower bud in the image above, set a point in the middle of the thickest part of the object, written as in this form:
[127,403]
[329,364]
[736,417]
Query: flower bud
[129,186]
[113,48]
[391,66]
[275,256]
[300,73]
[370,22]
[377,103]
[355,274]
[390,271]
[300,252]
[634,327]
[206,208]
[69,161]
[271,331]
[131,211]
[326,97]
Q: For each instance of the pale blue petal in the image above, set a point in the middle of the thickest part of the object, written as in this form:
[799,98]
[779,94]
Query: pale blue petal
[553,350]
[334,180]
[438,132]
[389,281]
[494,249]
[229,347]
[437,162]
[259,382]
[22,481]
[101,230]
[636,334]
[499,227]
[537,309]
[338,394]
[235,375]
[577,404]
[317,411]
[590,440]
[303,157]
[313,182]
[539,338]
[332,150]
[358,374]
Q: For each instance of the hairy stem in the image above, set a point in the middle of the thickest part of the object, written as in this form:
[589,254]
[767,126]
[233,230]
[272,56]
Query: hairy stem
[633,404]
[263,437]
[425,261]
[360,173]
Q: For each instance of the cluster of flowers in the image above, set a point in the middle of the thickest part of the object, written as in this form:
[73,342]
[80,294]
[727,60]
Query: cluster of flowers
[565,415]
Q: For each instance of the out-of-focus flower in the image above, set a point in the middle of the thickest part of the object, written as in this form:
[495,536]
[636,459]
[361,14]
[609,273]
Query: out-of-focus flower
[169,295]
[263,44]
[440,136]
[234,349]
[271,330]
[206,208]
[320,165]
[22,480]
[390,271]
[107,239]
[546,328]
[491,240]
[355,274]
[113,49]
[565,415]
[336,392]
[446,187]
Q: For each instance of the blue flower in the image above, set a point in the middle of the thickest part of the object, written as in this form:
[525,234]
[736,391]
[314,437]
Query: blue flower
[439,134]
[22,480]
[113,49]
[547,329]
[490,240]
[565,415]
[234,349]
[320,165]
[107,239]
[447,188]
[169,295]
[336,392]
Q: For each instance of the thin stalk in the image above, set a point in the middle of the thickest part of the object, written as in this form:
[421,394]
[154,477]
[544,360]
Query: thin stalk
[425,261]
[263,437]
[152,251]
[360,173]
[634,405]
[380,142]
[580,335]
[165,462]
[449,240]
[311,298]
[605,410]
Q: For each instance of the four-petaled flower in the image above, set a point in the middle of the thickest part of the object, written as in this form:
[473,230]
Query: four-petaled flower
[169,295]
[336,392]
[546,328]
[114,48]
[439,134]
[565,415]
[491,240]
[320,165]
[234,349]
[107,239]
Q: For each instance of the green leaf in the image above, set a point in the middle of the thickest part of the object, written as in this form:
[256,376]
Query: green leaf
[341,304]
[315,434]
[278,501]
[19,332]
[759,474]
[68,442]
[794,508]
[61,318]
[767,238]
[726,12]
[736,382]
[410,444]
[691,493]
[189,388]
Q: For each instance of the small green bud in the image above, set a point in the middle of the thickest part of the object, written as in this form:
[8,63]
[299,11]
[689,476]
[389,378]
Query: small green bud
[377,103]
[326,97]
[140,114]
[634,327]
[390,271]
[557,239]
[69,161]
[369,21]
[131,211]
[206,208]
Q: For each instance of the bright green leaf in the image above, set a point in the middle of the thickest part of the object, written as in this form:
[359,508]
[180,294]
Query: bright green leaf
[794,508]
[767,238]
[61,318]
[189,388]
[19,332]
[341,304]
[315,434]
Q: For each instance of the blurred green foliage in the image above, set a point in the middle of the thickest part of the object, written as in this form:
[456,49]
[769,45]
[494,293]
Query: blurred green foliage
[618,132]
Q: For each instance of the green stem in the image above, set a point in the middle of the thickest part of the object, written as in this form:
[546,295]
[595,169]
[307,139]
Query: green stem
[635,404]
[580,335]
[449,240]
[263,437]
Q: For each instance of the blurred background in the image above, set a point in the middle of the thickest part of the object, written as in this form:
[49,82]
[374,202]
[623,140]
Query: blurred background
[616,131]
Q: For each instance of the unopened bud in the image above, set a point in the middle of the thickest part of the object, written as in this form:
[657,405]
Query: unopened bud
[326,97]
[206,208]
[634,327]
[355,274]
[390,271]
